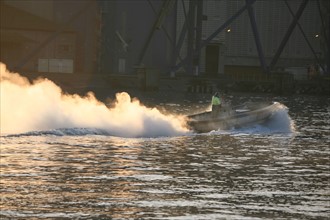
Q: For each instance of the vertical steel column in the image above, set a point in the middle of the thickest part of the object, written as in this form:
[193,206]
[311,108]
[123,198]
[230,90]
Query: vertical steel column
[191,36]
[326,33]
[215,33]
[328,61]
[108,57]
[181,39]
[199,24]
[322,22]
[288,33]
[327,41]
[256,36]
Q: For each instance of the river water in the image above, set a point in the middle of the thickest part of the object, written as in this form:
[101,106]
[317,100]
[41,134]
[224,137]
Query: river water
[279,170]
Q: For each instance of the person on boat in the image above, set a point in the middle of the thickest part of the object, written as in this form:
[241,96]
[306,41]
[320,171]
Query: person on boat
[216,104]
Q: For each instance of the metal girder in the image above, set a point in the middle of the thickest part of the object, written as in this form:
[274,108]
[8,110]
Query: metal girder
[322,22]
[157,24]
[52,37]
[199,24]
[191,35]
[256,36]
[288,33]
[181,37]
[215,33]
[328,61]
[226,24]
[162,27]
[326,37]
[305,37]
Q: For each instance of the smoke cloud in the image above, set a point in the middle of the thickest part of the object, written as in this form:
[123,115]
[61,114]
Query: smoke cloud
[41,106]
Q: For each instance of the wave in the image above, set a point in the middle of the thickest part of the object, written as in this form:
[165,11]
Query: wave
[85,132]
[279,123]
[63,132]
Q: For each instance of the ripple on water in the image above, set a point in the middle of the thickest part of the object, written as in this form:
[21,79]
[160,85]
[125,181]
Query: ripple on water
[219,175]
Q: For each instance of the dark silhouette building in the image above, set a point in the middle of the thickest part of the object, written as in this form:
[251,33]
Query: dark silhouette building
[190,37]
[50,36]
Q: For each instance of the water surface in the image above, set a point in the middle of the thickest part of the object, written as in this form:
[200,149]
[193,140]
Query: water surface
[275,171]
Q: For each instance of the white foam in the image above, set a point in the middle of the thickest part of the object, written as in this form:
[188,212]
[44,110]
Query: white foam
[42,106]
[280,123]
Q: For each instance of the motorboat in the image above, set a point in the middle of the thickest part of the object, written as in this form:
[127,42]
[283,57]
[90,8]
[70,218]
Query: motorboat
[232,118]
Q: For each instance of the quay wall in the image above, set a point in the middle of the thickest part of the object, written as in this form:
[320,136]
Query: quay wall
[280,83]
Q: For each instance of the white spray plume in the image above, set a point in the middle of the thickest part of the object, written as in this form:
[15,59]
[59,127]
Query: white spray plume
[41,105]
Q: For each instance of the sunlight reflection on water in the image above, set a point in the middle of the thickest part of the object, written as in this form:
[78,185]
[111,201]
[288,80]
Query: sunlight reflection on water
[241,174]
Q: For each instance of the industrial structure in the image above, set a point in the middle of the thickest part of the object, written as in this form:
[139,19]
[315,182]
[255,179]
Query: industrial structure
[213,39]
[50,36]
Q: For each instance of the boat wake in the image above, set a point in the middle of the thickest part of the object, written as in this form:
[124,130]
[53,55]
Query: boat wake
[64,132]
[279,123]
[41,108]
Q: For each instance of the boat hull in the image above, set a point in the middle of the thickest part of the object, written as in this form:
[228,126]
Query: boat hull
[230,119]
